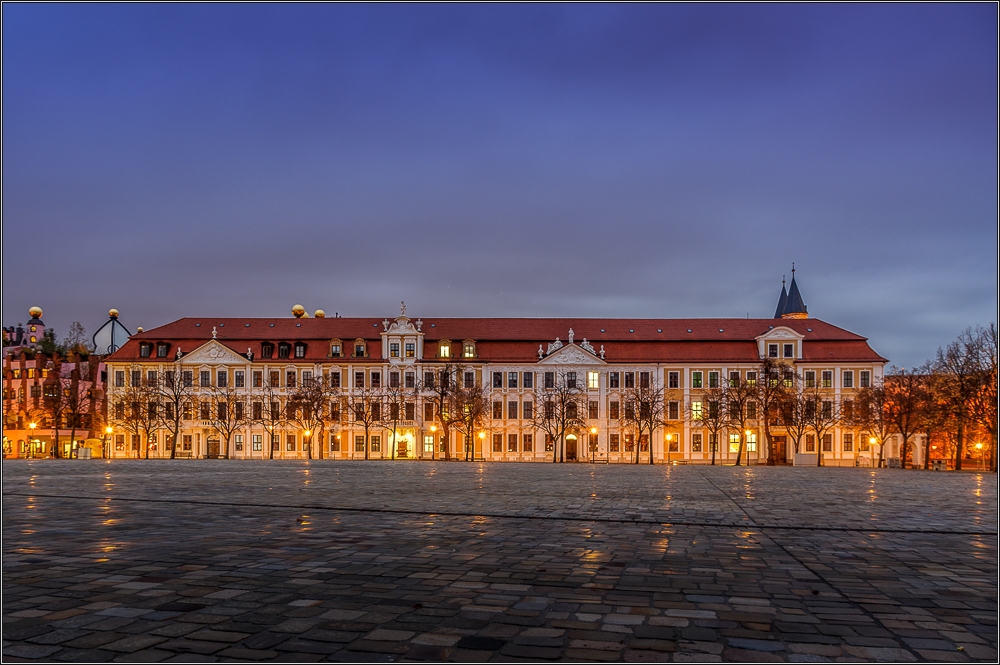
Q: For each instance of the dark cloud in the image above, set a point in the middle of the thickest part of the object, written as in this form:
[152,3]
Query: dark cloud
[174,160]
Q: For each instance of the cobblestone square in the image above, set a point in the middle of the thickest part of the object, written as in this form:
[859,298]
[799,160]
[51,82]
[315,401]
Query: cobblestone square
[214,560]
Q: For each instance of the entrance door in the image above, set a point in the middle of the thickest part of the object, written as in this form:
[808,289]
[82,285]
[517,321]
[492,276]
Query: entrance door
[571,448]
[213,446]
[780,447]
[401,448]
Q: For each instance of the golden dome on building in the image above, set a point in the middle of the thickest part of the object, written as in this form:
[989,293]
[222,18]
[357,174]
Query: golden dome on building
[319,314]
[35,312]
[298,311]
[113,313]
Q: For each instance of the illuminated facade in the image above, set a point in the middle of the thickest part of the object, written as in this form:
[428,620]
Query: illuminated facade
[263,361]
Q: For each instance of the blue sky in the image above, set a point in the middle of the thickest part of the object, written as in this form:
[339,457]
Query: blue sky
[503,160]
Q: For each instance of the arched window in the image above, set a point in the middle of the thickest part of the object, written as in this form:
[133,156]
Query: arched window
[266,350]
[469,349]
[336,348]
[360,348]
[284,348]
[444,348]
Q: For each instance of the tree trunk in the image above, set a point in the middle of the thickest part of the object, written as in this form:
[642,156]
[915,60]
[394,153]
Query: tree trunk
[959,444]
[927,450]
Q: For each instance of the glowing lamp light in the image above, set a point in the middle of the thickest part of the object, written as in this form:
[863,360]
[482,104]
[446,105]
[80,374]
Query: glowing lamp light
[308,432]
[109,429]
[434,428]
[593,430]
[32,425]
[670,437]
[748,432]
[482,435]
[979,446]
[872,440]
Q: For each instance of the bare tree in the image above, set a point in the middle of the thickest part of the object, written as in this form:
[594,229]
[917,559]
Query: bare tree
[741,408]
[55,390]
[175,390]
[646,414]
[983,404]
[796,409]
[438,388]
[959,370]
[366,408]
[470,409]
[77,340]
[559,407]
[904,401]
[78,402]
[770,394]
[227,413]
[709,413]
[872,413]
[307,408]
[825,415]
[268,409]
[395,399]
[137,408]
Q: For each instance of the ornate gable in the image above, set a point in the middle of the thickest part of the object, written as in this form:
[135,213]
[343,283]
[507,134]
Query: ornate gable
[213,352]
[571,354]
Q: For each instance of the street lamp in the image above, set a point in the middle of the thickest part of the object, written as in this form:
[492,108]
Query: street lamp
[979,449]
[32,440]
[668,438]
[593,444]
[871,442]
[306,434]
[482,435]
[104,445]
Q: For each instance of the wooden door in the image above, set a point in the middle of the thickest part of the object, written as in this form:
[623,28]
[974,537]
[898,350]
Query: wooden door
[570,448]
[780,447]
[213,446]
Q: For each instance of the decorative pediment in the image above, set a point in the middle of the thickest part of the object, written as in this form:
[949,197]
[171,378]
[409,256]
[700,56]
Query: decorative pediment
[781,332]
[571,354]
[212,353]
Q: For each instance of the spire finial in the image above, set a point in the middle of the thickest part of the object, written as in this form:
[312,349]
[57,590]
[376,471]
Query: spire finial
[782,280]
[793,269]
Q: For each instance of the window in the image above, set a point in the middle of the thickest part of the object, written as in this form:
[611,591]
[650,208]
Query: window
[848,378]
[222,410]
[393,379]
[751,410]
[613,410]
[238,441]
[713,443]
[428,411]
[789,350]
[359,443]
[36,391]
[444,350]
[257,410]
[592,441]
[848,442]
[512,410]
[136,378]
[827,443]
[810,443]
[335,350]
[752,378]
[300,350]
[240,378]
[571,379]
[161,350]
[528,380]
[673,379]
[548,443]
[713,379]
[359,379]
[151,378]
[498,443]
[411,349]
[810,378]
[428,380]
[512,443]
[266,350]
[275,379]
[289,442]
[359,348]
[734,443]
[144,350]
[864,445]
[644,379]
[376,443]
[614,380]
[376,379]
[469,349]
[393,349]
[527,411]
[410,380]
[613,443]
[752,442]
[283,349]
[527,442]
[550,379]
[696,379]
[334,378]
[827,378]
[222,378]
[673,410]
[498,379]
[630,379]
[674,445]
[428,443]
[205,411]
[772,350]
[734,379]
[827,411]
[205,378]
[696,442]
[592,410]
[409,411]
[257,442]
[469,379]
[497,410]
[866,378]
[290,378]
[629,443]
[238,409]
[788,378]
[593,380]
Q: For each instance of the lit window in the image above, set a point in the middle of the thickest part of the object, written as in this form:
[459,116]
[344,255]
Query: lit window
[810,379]
[696,379]
[469,350]
[393,349]
[696,410]
[827,379]
[411,349]
[696,442]
[428,443]
[258,442]
[444,350]
[734,443]
[752,442]
[593,380]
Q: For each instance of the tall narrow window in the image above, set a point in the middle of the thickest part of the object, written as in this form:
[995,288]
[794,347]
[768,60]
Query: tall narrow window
[571,379]
[411,349]
[848,378]
[409,380]
[593,380]
[550,379]
[376,379]
[630,379]
[772,350]
[592,409]
[393,349]
[528,380]
[827,379]
[512,379]
[470,380]
[512,410]
[789,350]
[498,379]
[866,378]
[240,379]
[614,380]
[696,379]
[644,379]
[673,379]
[713,379]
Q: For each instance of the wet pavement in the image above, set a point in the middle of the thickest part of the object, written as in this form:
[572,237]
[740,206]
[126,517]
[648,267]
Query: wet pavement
[215,560]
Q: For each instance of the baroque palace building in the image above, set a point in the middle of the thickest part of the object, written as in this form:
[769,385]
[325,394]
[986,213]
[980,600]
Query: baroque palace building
[263,361]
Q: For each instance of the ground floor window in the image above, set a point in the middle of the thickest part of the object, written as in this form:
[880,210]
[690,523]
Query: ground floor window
[827,443]
[359,444]
[238,441]
[528,442]
[613,443]
[186,442]
[376,443]
[444,444]
[644,442]
[696,442]
[135,442]
[810,443]
[734,443]
[512,443]
[428,443]
[629,443]
[848,442]
[674,444]
[752,442]
[119,442]
[258,442]
[334,443]
[289,442]
[498,442]
[548,443]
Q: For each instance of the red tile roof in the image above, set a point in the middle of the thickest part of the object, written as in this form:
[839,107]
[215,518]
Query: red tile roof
[517,340]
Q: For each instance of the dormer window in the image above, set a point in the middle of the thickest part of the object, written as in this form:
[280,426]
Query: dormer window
[266,350]
[284,348]
[789,350]
[161,350]
[336,349]
[772,350]
[411,349]
[360,350]
[300,350]
[444,349]
[468,349]
[144,350]
[393,349]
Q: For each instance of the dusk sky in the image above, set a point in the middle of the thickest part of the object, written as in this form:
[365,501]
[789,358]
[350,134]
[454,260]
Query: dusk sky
[503,160]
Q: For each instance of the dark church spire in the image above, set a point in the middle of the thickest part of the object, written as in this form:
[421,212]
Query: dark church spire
[795,308]
[782,299]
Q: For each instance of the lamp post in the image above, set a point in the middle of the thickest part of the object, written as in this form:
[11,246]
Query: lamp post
[104,445]
[667,439]
[593,443]
[482,435]
[747,434]
[872,441]
[32,441]
[434,443]
[307,441]
[979,450]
